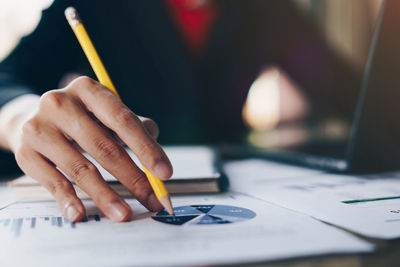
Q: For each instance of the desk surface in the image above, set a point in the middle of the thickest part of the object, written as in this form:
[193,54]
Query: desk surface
[387,253]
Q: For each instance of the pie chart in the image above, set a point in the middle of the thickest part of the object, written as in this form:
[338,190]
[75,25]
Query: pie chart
[205,214]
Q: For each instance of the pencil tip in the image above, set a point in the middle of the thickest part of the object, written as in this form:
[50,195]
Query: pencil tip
[167,204]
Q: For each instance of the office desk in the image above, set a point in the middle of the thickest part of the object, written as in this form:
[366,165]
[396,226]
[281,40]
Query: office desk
[387,254]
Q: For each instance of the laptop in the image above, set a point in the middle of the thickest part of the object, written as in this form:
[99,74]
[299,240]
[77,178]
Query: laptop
[373,141]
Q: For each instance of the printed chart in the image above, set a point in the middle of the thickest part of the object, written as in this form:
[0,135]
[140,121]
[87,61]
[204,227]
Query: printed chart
[205,214]
[15,225]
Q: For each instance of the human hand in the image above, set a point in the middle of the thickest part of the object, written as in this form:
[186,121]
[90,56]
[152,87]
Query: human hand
[89,115]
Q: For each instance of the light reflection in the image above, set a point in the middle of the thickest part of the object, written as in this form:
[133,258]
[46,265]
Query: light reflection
[261,110]
[18,18]
[274,98]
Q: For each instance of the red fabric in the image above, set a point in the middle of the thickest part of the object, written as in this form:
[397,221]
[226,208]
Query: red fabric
[193,22]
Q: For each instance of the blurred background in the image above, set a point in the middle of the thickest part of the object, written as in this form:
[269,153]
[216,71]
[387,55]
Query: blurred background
[275,106]
[341,20]
[16,22]
[346,24]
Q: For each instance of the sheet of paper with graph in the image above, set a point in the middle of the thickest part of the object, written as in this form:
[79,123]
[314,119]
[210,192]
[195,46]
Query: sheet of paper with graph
[213,229]
[365,204]
[7,196]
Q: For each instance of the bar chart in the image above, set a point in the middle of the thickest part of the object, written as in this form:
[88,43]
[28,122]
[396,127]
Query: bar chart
[16,225]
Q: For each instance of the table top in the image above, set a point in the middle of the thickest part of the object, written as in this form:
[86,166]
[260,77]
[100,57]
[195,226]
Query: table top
[387,253]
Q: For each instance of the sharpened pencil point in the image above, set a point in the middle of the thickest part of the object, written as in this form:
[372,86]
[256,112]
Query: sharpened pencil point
[167,204]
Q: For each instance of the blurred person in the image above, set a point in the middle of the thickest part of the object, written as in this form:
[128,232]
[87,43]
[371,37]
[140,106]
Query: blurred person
[186,64]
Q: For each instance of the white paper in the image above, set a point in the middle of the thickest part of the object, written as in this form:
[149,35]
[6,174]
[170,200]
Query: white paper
[274,233]
[247,173]
[7,196]
[324,196]
[189,162]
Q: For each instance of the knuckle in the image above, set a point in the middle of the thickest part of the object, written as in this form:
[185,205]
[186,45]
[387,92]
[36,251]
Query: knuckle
[150,152]
[151,127]
[54,99]
[80,170]
[137,185]
[31,127]
[60,186]
[108,150]
[124,116]
[84,81]
[105,196]
[21,157]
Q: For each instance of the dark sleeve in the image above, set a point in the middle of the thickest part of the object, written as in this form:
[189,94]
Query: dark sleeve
[41,58]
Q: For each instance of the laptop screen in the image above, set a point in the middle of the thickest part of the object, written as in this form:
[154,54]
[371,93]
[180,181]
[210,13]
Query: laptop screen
[306,102]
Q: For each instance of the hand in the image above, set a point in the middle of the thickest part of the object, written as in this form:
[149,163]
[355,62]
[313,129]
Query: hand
[87,114]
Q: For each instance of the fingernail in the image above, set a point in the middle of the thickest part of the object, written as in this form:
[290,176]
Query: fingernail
[162,170]
[118,211]
[154,204]
[72,213]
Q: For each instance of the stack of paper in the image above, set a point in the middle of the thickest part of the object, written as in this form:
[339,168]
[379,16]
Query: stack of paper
[195,171]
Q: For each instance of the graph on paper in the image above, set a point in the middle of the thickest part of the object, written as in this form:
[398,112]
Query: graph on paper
[205,215]
[17,225]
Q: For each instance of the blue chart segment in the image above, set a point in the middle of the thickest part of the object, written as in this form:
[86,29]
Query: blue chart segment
[15,225]
[205,214]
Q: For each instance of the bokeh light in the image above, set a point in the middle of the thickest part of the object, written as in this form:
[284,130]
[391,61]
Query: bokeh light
[18,18]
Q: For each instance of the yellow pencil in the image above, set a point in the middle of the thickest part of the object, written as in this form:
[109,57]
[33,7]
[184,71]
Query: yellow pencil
[101,73]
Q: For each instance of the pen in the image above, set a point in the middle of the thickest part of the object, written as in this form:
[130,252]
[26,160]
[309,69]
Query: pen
[98,67]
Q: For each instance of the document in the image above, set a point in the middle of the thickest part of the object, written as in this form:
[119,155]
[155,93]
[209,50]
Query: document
[213,229]
[367,205]
[7,196]
[190,162]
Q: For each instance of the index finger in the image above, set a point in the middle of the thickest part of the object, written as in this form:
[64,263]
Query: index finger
[119,118]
